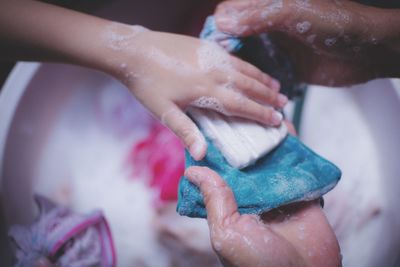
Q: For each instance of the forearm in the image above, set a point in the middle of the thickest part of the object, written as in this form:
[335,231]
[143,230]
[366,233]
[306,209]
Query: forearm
[305,226]
[387,51]
[351,31]
[31,30]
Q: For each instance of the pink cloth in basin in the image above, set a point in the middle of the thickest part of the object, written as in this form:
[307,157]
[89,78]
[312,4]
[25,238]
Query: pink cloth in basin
[64,237]
[159,157]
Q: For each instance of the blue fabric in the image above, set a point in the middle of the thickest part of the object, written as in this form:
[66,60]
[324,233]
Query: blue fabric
[290,173]
[211,33]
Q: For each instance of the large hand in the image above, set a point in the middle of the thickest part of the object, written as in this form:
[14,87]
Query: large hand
[296,235]
[169,72]
[330,42]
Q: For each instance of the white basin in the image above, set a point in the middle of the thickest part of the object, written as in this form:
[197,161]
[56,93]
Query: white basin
[358,128]
[45,106]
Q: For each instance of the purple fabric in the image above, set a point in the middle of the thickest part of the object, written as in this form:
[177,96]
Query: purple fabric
[64,237]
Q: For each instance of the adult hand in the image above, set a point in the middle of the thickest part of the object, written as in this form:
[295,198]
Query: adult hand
[329,42]
[295,235]
[169,72]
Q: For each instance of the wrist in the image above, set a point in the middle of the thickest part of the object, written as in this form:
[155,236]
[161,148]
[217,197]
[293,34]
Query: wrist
[118,49]
[385,41]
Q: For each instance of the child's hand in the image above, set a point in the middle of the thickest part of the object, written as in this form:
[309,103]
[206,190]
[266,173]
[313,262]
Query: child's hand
[169,73]
[166,72]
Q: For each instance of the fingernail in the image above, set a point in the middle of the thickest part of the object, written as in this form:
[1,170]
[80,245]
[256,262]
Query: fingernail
[276,118]
[282,100]
[196,150]
[275,85]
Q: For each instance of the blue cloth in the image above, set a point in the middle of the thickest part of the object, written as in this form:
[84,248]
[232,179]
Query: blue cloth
[289,173]
[211,33]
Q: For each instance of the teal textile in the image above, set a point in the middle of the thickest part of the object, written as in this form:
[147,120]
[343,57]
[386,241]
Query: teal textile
[290,173]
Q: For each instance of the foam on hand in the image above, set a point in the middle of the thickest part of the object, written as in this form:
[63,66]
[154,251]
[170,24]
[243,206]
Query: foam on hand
[240,141]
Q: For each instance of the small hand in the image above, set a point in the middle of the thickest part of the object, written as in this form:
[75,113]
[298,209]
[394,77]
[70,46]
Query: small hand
[169,73]
[295,235]
[329,42]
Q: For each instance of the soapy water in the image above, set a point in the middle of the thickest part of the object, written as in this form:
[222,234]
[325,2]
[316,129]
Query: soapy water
[91,172]
[303,27]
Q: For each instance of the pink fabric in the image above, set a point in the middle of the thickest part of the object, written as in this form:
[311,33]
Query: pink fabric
[65,238]
[159,156]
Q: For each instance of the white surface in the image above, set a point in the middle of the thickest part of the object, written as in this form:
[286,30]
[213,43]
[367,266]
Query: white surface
[10,96]
[241,142]
[358,129]
[69,139]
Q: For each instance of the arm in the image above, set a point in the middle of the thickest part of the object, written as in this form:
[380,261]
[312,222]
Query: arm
[166,72]
[329,42]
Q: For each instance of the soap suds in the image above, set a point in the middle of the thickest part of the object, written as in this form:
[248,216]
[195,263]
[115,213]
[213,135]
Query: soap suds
[303,27]
[303,4]
[209,103]
[211,56]
[330,41]
[118,36]
[271,8]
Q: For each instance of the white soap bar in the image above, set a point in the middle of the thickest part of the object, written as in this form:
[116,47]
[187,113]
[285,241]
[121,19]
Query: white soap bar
[240,141]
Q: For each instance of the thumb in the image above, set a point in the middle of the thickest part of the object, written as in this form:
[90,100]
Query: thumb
[218,197]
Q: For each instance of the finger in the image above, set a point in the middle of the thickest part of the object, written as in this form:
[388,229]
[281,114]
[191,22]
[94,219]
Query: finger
[228,15]
[218,197]
[244,18]
[290,127]
[236,104]
[253,72]
[256,90]
[186,130]
[43,262]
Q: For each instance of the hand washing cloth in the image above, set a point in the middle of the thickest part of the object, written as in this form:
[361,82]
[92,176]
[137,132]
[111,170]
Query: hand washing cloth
[290,173]
[65,238]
